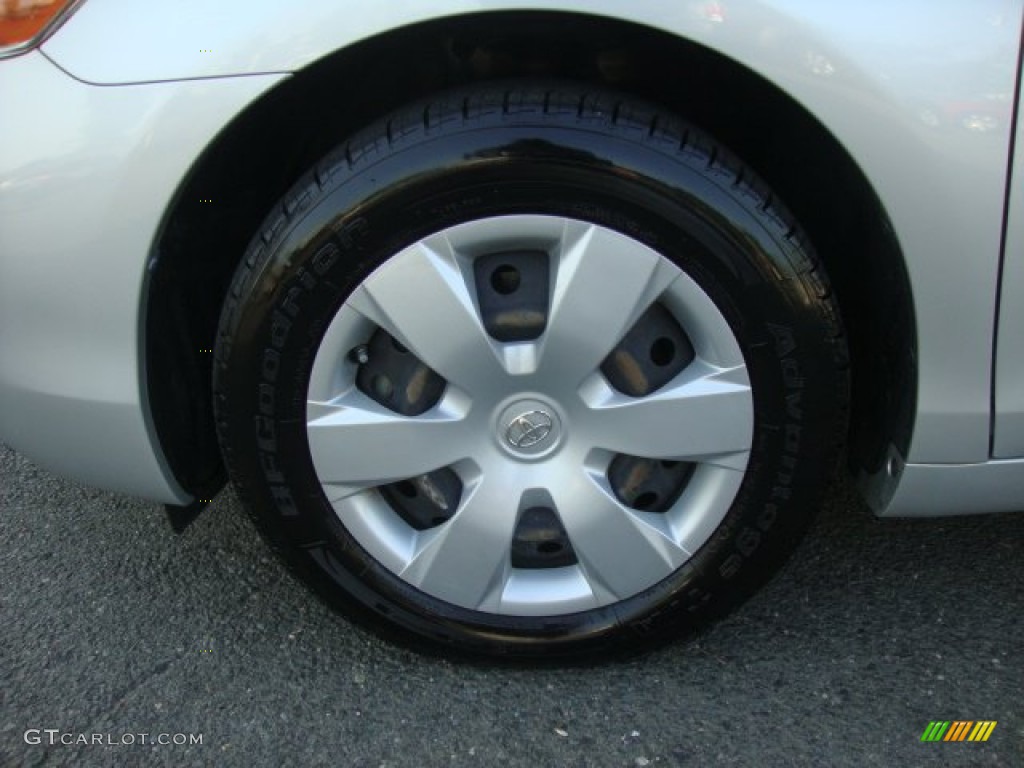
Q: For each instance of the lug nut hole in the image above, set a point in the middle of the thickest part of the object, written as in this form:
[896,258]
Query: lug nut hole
[406,488]
[663,351]
[645,500]
[505,279]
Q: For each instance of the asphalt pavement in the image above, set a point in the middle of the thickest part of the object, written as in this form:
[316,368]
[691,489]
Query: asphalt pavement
[112,626]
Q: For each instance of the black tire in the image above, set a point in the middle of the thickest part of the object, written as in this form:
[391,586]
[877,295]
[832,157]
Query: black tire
[562,151]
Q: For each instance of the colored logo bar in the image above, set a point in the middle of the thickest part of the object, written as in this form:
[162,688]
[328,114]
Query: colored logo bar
[959,730]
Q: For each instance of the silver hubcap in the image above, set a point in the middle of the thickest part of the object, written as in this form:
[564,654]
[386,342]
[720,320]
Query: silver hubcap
[531,424]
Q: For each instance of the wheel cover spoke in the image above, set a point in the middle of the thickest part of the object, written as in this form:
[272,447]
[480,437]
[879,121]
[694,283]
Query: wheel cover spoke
[620,551]
[357,443]
[425,300]
[467,559]
[604,281]
[705,415]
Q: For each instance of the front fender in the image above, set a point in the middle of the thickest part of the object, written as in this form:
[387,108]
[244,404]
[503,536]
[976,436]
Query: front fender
[899,85]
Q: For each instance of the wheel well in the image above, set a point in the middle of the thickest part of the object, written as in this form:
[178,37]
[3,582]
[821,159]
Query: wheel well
[253,162]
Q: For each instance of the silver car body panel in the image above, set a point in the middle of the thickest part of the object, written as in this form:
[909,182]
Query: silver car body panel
[1008,432]
[919,93]
[937,490]
[85,176]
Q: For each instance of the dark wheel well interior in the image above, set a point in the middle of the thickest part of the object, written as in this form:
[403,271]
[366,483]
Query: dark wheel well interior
[260,154]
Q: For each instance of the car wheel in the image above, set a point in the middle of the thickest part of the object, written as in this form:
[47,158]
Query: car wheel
[528,371]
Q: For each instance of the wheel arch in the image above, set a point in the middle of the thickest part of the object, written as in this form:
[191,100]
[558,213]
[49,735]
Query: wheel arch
[257,157]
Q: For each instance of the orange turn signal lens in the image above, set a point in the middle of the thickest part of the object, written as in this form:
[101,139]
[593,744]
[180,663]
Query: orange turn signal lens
[22,20]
